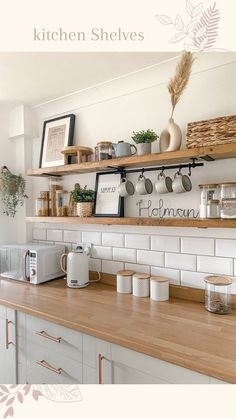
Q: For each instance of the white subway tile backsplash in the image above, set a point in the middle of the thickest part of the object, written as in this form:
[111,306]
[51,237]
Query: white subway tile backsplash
[180,261]
[94,237]
[226,248]
[144,269]
[39,234]
[165,243]
[137,241]
[54,235]
[113,239]
[197,246]
[68,246]
[148,257]
[124,255]
[193,279]
[215,265]
[172,274]
[101,252]
[72,236]
[95,265]
[112,267]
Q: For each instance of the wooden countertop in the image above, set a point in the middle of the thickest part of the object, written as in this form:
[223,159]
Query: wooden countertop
[176,331]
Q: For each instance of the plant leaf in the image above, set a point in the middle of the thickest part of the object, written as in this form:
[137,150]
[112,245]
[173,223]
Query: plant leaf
[201,32]
[10,401]
[20,397]
[189,8]
[164,19]
[197,10]
[4,389]
[179,24]
[60,393]
[9,412]
[177,37]
[210,21]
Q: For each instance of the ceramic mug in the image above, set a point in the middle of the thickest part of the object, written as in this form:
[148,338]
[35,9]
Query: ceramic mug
[163,184]
[143,186]
[181,183]
[125,188]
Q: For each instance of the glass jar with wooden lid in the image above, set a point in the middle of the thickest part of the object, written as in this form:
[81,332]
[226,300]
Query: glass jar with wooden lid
[104,150]
[218,294]
[209,191]
[124,281]
[42,207]
[141,285]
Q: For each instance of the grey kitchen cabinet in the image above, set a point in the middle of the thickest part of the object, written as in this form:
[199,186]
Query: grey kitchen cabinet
[8,369]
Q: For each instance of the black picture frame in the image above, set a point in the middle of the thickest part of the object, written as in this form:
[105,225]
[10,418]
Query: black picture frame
[114,179]
[68,141]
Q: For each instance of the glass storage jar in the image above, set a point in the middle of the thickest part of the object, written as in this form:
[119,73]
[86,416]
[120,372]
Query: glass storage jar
[104,150]
[208,191]
[228,200]
[218,294]
[54,185]
[62,203]
[213,208]
[42,207]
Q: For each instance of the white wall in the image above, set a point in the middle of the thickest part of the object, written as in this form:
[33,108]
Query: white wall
[112,111]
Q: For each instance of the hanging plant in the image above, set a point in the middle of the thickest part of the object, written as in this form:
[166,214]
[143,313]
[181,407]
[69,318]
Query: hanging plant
[12,191]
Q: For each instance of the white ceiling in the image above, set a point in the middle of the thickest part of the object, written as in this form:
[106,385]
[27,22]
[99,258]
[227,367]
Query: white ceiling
[33,78]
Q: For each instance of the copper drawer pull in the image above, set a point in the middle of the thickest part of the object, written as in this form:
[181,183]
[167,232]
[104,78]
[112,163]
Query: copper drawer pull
[45,335]
[100,359]
[44,364]
[7,334]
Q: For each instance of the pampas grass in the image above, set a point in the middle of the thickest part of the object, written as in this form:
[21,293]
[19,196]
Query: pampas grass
[178,83]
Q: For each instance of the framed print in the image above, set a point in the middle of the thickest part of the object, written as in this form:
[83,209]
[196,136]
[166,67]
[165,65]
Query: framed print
[57,134]
[108,202]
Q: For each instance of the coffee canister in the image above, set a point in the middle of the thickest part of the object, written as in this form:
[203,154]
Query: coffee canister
[159,288]
[141,285]
[124,281]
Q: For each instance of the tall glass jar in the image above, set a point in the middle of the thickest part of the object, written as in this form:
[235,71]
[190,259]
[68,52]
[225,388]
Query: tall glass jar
[54,185]
[228,200]
[209,191]
[42,209]
[218,294]
[62,203]
[104,150]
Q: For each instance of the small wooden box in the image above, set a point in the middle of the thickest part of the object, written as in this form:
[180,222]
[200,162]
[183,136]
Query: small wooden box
[211,132]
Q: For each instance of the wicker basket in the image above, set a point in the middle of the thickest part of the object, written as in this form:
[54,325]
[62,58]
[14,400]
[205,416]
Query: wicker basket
[84,209]
[211,132]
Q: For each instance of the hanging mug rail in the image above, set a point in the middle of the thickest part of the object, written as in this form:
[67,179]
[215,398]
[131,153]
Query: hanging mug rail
[189,166]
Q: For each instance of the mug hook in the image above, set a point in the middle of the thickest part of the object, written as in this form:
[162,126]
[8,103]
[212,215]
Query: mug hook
[162,171]
[180,168]
[189,169]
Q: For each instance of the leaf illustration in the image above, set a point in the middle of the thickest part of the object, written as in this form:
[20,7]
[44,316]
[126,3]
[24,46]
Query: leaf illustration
[197,10]
[11,400]
[60,393]
[190,47]
[4,389]
[164,19]
[26,389]
[189,7]
[9,412]
[179,24]
[210,21]
[3,399]
[191,26]
[177,37]
[36,394]
[20,397]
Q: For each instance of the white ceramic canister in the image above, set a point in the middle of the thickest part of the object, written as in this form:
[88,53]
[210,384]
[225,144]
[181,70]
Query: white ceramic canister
[159,288]
[124,281]
[141,285]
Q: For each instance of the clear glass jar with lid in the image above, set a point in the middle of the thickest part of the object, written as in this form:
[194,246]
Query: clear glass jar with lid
[62,203]
[228,200]
[209,191]
[42,207]
[104,150]
[218,294]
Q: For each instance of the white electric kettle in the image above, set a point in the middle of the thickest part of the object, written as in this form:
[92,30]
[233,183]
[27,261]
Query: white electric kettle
[78,266]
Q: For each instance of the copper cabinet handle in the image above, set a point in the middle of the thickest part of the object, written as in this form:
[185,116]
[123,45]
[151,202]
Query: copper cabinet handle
[100,359]
[47,336]
[44,364]
[7,334]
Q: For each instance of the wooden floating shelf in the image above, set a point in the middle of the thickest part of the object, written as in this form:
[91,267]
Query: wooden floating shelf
[139,221]
[225,151]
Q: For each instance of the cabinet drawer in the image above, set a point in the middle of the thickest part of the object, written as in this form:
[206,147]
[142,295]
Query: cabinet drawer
[70,370]
[54,337]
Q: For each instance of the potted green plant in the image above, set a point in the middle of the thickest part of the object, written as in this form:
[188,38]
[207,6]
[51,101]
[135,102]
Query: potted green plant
[84,198]
[143,139]
[12,191]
